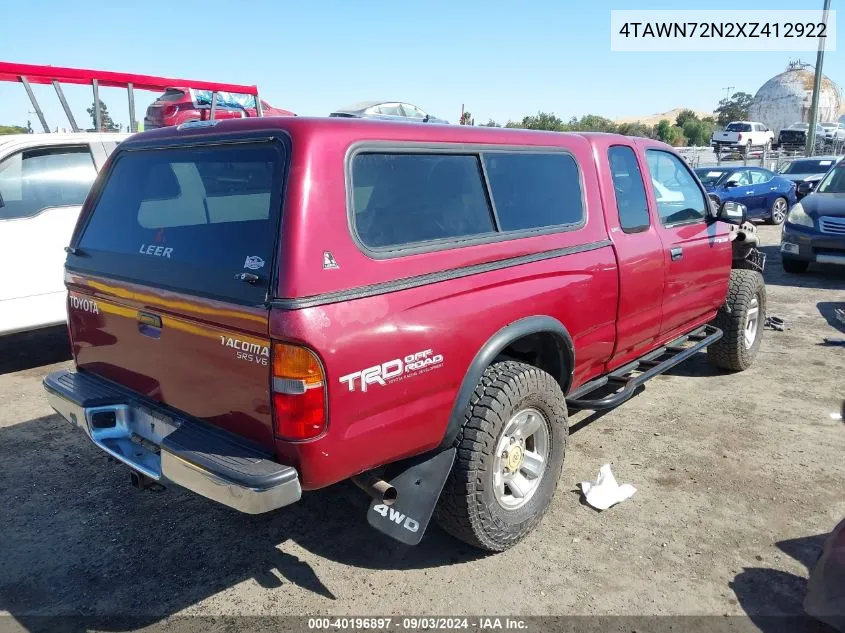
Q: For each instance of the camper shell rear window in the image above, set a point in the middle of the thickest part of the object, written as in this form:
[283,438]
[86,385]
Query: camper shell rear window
[192,219]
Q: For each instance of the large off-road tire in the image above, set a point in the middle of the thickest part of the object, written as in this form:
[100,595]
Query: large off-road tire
[794,266]
[741,319]
[497,462]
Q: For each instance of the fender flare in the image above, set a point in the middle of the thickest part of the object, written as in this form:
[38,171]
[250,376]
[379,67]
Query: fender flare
[492,348]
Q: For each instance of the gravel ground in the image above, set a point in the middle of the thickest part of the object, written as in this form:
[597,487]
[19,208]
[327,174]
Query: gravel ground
[739,478]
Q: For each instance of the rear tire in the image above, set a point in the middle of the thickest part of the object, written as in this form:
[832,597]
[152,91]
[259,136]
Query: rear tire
[741,320]
[477,504]
[795,266]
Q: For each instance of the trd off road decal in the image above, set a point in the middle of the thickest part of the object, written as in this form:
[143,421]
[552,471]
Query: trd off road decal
[394,370]
[252,352]
[86,305]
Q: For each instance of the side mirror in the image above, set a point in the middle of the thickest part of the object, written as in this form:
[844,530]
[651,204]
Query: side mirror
[733,213]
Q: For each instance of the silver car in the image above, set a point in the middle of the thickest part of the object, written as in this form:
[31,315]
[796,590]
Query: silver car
[387,111]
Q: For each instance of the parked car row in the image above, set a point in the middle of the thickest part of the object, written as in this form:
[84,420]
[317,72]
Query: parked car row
[745,136]
[767,195]
[186,105]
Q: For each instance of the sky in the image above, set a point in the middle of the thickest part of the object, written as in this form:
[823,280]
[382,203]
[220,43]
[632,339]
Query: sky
[501,59]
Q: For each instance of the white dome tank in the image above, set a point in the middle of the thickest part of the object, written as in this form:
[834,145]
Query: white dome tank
[786,98]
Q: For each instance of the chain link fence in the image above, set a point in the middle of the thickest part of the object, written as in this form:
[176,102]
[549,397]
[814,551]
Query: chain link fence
[774,159]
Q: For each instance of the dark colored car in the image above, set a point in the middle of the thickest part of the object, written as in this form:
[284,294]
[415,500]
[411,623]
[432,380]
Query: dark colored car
[767,195]
[807,172]
[794,137]
[815,227]
[269,305]
[183,105]
[386,111]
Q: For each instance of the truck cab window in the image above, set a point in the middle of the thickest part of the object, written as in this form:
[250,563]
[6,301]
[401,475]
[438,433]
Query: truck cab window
[679,199]
[631,201]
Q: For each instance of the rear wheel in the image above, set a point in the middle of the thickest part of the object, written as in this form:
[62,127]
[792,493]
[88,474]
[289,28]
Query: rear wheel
[795,266]
[510,456]
[741,320]
[777,214]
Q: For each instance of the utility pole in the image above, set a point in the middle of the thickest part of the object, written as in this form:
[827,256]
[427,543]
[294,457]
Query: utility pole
[728,91]
[817,83]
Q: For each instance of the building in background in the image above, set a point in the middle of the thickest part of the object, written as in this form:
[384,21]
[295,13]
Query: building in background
[786,98]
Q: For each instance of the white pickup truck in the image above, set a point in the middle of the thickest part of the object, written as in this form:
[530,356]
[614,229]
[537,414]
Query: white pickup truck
[44,179]
[743,136]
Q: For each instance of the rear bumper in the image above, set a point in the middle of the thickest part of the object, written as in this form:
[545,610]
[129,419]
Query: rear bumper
[172,449]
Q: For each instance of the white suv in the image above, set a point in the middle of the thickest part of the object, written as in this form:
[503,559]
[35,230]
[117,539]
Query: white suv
[743,135]
[44,179]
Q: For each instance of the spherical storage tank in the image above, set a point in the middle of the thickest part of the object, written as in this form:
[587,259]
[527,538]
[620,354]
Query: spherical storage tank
[786,98]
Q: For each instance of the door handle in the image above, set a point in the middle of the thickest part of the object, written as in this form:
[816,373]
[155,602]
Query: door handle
[749,192]
[677,253]
[152,320]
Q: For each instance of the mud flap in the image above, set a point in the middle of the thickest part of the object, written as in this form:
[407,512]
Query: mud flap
[418,484]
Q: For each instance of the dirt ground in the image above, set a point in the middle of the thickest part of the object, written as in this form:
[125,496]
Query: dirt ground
[739,479]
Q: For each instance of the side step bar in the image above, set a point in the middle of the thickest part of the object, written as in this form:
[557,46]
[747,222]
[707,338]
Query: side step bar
[649,366]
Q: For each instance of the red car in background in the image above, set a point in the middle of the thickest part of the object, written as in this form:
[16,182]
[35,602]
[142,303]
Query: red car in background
[181,105]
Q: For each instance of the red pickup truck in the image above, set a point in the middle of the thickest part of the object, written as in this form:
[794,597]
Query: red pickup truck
[259,307]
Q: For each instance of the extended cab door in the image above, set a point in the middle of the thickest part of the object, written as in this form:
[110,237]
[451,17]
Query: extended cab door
[696,251]
[639,249]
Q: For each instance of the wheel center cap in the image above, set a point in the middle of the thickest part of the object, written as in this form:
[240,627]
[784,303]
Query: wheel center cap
[515,455]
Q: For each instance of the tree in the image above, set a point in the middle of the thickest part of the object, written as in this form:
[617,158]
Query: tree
[636,129]
[466,118]
[668,133]
[541,121]
[12,129]
[733,109]
[698,133]
[106,123]
[684,116]
[591,123]
[28,126]
[490,123]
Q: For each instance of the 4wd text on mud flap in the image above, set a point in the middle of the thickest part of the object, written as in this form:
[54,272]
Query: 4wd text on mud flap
[395,369]
[86,305]
[397,517]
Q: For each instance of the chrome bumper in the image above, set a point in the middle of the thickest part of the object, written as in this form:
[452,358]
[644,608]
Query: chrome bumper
[172,450]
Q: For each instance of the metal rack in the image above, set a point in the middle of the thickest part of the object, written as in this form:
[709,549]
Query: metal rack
[28,74]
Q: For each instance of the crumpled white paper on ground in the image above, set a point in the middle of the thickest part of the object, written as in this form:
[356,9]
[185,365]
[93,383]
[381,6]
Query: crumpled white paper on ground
[604,491]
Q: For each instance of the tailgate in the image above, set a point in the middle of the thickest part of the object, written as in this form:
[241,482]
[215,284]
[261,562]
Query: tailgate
[170,279]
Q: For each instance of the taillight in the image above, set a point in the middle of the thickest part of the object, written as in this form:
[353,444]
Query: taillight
[169,110]
[299,393]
